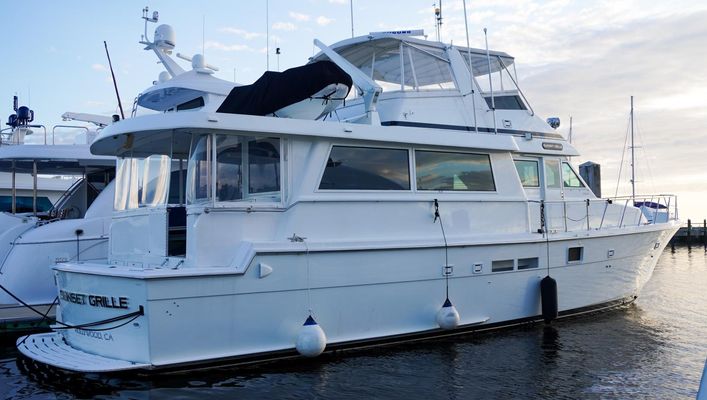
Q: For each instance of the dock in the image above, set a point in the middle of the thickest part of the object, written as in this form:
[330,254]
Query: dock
[691,234]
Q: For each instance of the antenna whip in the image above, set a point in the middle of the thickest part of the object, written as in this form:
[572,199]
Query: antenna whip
[115,84]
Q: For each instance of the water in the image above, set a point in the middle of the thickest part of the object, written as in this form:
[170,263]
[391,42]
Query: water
[653,349]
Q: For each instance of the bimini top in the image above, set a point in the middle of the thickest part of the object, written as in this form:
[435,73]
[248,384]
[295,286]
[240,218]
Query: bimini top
[276,90]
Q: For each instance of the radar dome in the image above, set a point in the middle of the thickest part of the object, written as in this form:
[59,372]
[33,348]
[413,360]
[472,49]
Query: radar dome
[198,62]
[165,38]
[164,77]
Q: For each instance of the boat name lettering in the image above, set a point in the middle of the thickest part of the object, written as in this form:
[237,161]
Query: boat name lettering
[94,334]
[552,146]
[94,300]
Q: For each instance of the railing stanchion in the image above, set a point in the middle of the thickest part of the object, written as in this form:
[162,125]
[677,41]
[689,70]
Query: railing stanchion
[588,214]
[621,222]
[606,205]
[564,211]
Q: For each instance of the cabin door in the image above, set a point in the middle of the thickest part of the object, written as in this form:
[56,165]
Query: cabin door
[540,177]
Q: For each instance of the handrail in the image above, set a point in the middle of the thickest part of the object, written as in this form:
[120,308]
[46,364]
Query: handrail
[7,133]
[597,214]
[69,126]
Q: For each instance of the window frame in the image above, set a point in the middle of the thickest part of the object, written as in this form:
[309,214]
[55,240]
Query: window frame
[322,170]
[582,185]
[414,166]
[260,200]
[559,173]
[537,169]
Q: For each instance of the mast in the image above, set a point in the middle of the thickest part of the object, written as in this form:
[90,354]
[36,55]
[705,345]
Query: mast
[633,169]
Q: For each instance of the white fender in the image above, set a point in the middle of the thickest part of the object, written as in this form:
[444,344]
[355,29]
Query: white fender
[311,339]
[448,316]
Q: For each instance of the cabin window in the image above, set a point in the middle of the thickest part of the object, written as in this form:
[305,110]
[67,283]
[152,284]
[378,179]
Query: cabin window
[199,179]
[569,177]
[191,104]
[574,254]
[24,204]
[141,182]
[246,167]
[552,174]
[528,173]
[501,265]
[438,170]
[527,263]
[366,168]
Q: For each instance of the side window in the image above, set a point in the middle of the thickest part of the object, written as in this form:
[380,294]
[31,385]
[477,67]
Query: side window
[438,170]
[264,165]
[552,174]
[569,177]
[528,173]
[366,168]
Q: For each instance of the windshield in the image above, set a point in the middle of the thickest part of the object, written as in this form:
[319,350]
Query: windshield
[399,65]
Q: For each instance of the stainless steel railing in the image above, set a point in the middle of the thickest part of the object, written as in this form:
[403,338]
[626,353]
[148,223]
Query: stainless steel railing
[618,212]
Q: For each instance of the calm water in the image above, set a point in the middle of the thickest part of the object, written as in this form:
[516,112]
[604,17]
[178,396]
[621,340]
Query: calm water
[655,348]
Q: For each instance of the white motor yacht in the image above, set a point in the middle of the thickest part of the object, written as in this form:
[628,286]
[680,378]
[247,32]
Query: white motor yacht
[35,233]
[433,202]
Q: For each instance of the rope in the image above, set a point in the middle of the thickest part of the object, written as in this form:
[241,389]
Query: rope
[446,249]
[133,314]
[546,233]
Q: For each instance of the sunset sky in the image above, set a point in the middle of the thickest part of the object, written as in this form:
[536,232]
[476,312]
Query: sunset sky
[574,58]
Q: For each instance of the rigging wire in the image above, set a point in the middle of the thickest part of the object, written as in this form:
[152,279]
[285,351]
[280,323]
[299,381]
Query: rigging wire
[651,179]
[623,153]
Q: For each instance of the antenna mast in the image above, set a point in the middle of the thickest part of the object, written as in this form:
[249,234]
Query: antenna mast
[438,21]
[352,29]
[493,101]
[633,160]
[267,36]
[115,84]
[471,74]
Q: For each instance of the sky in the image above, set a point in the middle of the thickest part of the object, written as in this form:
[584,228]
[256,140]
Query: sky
[574,58]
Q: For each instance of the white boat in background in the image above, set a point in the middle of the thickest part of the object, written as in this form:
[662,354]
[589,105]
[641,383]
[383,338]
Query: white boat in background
[36,233]
[434,207]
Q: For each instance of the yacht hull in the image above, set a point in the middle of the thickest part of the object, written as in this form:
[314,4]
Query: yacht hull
[358,297]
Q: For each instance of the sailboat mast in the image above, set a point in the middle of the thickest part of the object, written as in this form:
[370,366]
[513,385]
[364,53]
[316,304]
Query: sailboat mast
[633,160]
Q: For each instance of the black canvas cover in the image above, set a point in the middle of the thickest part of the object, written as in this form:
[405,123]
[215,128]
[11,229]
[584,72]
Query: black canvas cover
[275,90]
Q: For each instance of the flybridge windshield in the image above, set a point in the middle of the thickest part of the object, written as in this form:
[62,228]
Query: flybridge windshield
[401,65]
[498,73]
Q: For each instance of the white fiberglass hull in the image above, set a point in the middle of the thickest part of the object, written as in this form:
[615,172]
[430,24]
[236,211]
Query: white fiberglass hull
[207,315]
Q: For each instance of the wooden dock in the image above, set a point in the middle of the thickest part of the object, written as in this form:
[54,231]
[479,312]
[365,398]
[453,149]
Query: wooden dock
[691,234]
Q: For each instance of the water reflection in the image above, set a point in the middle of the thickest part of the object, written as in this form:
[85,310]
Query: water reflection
[653,348]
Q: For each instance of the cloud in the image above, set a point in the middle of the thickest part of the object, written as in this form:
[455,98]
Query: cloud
[299,17]
[242,33]
[212,44]
[339,1]
[590,73]
[99,67]
[284,26]
[324,21]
